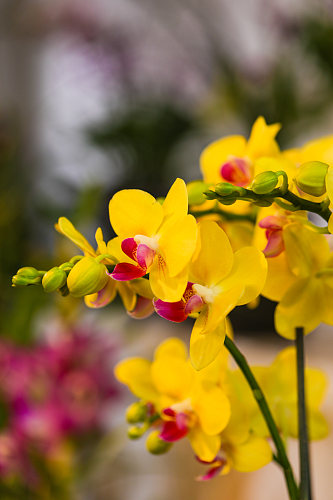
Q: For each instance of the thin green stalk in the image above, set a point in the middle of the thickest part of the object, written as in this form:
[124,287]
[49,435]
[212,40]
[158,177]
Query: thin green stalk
[281,457]
[305,486]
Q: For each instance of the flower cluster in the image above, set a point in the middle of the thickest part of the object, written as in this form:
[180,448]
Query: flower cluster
[214,408]
[258,222]
[52,393]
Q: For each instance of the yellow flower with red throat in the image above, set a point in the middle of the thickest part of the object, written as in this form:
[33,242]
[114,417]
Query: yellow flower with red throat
[233,158]
[136,295]
[300,280]
[159,239]
[219,281]
[187,403]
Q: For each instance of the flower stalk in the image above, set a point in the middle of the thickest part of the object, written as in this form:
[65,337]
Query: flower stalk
[305,485]
[281,457]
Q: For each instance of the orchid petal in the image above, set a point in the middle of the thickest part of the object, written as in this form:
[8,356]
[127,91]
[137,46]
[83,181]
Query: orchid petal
[103,297]
[65,227]
[133,212]
[215,258]
[172,311]
[126,272]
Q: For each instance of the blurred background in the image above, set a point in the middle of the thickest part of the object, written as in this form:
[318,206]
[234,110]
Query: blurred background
[95,97]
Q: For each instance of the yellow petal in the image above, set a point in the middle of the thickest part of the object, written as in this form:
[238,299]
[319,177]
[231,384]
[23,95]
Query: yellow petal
[177,243]
[306,250]
[166,287]
[249,269]
[251,455]
[171,348]
[215,258]
[101,245]
[216,312]
[217,153]
[103,297]
[141,286]
[205,447]
[212,407]
[113,248]
[127,295]
[172,377]
[301,306]
[318,150]
[279,278]
[134,212]
[65,227]
[261,141]
[204,347]
[175,204]
[136,374]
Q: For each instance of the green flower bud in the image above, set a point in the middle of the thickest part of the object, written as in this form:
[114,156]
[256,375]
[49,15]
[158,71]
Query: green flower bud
[135,431]
[28,272]
[87,276]
[54,278]
[227,189]
[27,276]
[310,177]
[136,412]
[156,445]
[196,191]
[265,182]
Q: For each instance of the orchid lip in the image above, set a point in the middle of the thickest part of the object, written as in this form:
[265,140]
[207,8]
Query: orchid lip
[150,241]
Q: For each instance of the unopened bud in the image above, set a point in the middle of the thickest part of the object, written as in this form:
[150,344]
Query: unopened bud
[310,177]
[27,276]
[227,189]
[195,191]
[265,182]
[136,412]
[87,276]
[156,445]
[54,278]
[135,431]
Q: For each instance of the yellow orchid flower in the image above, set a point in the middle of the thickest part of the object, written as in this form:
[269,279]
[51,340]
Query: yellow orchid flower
[279,384]
[187,403]
[300,279]
[233,159]
[136,295]
[159,239]
[219,281]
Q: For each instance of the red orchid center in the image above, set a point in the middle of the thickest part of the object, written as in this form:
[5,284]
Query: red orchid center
[177,312]
[274,234]
[237,171]
[176,424]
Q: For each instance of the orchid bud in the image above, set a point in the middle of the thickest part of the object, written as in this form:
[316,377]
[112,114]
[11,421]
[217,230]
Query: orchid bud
[87,276]
[265,182]
[135,431]
[54,278]
[310,178]
[136,412]
[27,276]
[156,445]
[227,189]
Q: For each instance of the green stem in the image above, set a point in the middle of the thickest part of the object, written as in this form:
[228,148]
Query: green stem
[276,195]
[281,456]
[305,486]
